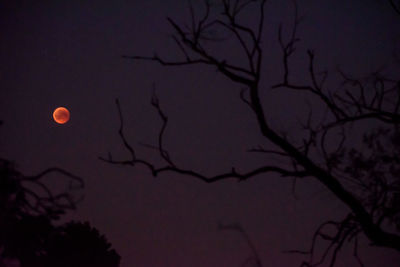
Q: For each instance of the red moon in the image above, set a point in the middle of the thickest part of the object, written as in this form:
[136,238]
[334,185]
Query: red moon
[61,115]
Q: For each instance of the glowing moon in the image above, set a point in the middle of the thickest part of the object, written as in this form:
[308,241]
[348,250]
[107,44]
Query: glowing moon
[61,115]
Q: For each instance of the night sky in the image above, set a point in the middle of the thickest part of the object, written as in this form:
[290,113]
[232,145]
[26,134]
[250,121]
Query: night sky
[68,53]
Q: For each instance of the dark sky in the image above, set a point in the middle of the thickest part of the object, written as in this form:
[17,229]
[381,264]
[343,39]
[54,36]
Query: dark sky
[68,53]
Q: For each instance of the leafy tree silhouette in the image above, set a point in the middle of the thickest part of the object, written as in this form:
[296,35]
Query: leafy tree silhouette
[24,223]
[366,182]
[78,244]
[27,232]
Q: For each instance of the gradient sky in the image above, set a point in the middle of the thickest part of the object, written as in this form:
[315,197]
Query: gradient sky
[68,53]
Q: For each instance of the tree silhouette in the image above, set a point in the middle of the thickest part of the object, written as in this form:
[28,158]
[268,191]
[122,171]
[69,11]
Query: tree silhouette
[78,244]
[28,209]
[365,178]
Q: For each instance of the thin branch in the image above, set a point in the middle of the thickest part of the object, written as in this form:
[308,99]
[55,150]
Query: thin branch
[163,153]
[238,228]
[395,7]
[121,132]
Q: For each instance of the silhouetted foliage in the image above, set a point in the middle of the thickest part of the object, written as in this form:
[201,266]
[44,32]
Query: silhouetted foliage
[24,238]
[23,225]
[84,245]
[365,178]
[376,171]
[27,230]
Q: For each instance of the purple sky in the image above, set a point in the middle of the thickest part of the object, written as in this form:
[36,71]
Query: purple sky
[68,53]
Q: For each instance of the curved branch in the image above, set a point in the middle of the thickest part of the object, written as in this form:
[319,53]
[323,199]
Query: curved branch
[238,228]
[395,7]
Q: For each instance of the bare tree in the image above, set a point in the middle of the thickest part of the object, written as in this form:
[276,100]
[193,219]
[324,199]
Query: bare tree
[368,184]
